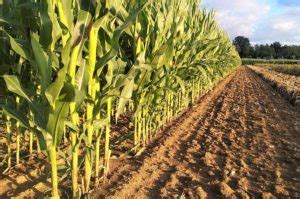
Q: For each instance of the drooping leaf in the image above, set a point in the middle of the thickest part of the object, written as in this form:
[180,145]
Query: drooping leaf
[19,49]
[13,85]
[16,114]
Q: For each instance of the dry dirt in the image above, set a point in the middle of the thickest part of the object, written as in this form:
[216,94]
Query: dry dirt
[287,85]
[240,140]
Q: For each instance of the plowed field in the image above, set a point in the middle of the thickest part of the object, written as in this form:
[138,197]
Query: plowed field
[242,139]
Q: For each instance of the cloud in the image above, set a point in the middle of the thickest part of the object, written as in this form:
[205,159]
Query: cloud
[284,25]
[263,21]
[238,17]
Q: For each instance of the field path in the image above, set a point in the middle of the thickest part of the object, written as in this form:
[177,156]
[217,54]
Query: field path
[241,140]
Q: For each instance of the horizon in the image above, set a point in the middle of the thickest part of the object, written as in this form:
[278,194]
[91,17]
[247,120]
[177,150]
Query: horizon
[263,22]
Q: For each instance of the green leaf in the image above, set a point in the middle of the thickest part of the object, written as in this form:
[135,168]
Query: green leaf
[100,124]
[181,83]
[126,95]
[24,121]
[54,89]
[117,34]
[13,85]
[72,126]
[19,49]
[82,79]
[18,115]
[68,11]
[42,62]
[83,19]
[164,55]
[101,22]
[46,23]
[56,122]
[67,93]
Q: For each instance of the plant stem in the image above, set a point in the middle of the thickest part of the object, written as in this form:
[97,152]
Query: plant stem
[107,137]
[97,159]
[38,146]
[135,135]
[8,138]
[30,143]
[18,137]
[54,179]
[74,119]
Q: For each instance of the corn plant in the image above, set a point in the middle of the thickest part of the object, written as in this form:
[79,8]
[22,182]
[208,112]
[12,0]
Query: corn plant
[89,62]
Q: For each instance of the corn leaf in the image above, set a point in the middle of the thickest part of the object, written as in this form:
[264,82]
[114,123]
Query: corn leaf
[13,85]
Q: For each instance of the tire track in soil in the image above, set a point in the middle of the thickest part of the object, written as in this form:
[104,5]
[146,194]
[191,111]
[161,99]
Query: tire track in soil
[242,140]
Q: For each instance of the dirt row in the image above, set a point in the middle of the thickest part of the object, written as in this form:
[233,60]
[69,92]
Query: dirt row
[287,85]
[241,140]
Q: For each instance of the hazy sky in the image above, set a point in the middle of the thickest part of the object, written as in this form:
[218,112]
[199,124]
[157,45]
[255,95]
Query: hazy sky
[263,21]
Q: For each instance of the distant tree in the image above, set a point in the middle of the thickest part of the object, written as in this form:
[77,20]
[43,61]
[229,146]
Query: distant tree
[256,51]
[278,49]
[267,51]
[252,53]
[242,45]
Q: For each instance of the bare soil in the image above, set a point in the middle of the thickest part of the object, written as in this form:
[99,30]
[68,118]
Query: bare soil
[287,85]
[240,140]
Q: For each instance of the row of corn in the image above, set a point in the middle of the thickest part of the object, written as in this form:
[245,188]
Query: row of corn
[72,67]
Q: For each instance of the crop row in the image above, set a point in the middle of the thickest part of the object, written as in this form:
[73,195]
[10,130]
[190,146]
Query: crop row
[70,66]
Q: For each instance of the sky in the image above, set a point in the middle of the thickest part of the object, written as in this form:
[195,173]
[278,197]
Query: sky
[262,21]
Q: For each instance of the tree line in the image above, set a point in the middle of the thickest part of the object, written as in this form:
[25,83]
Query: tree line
[265,51]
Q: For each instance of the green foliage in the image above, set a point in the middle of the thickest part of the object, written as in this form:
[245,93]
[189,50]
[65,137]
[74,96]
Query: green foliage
[96,60]
[248,61]
[242,45]
[265,51]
